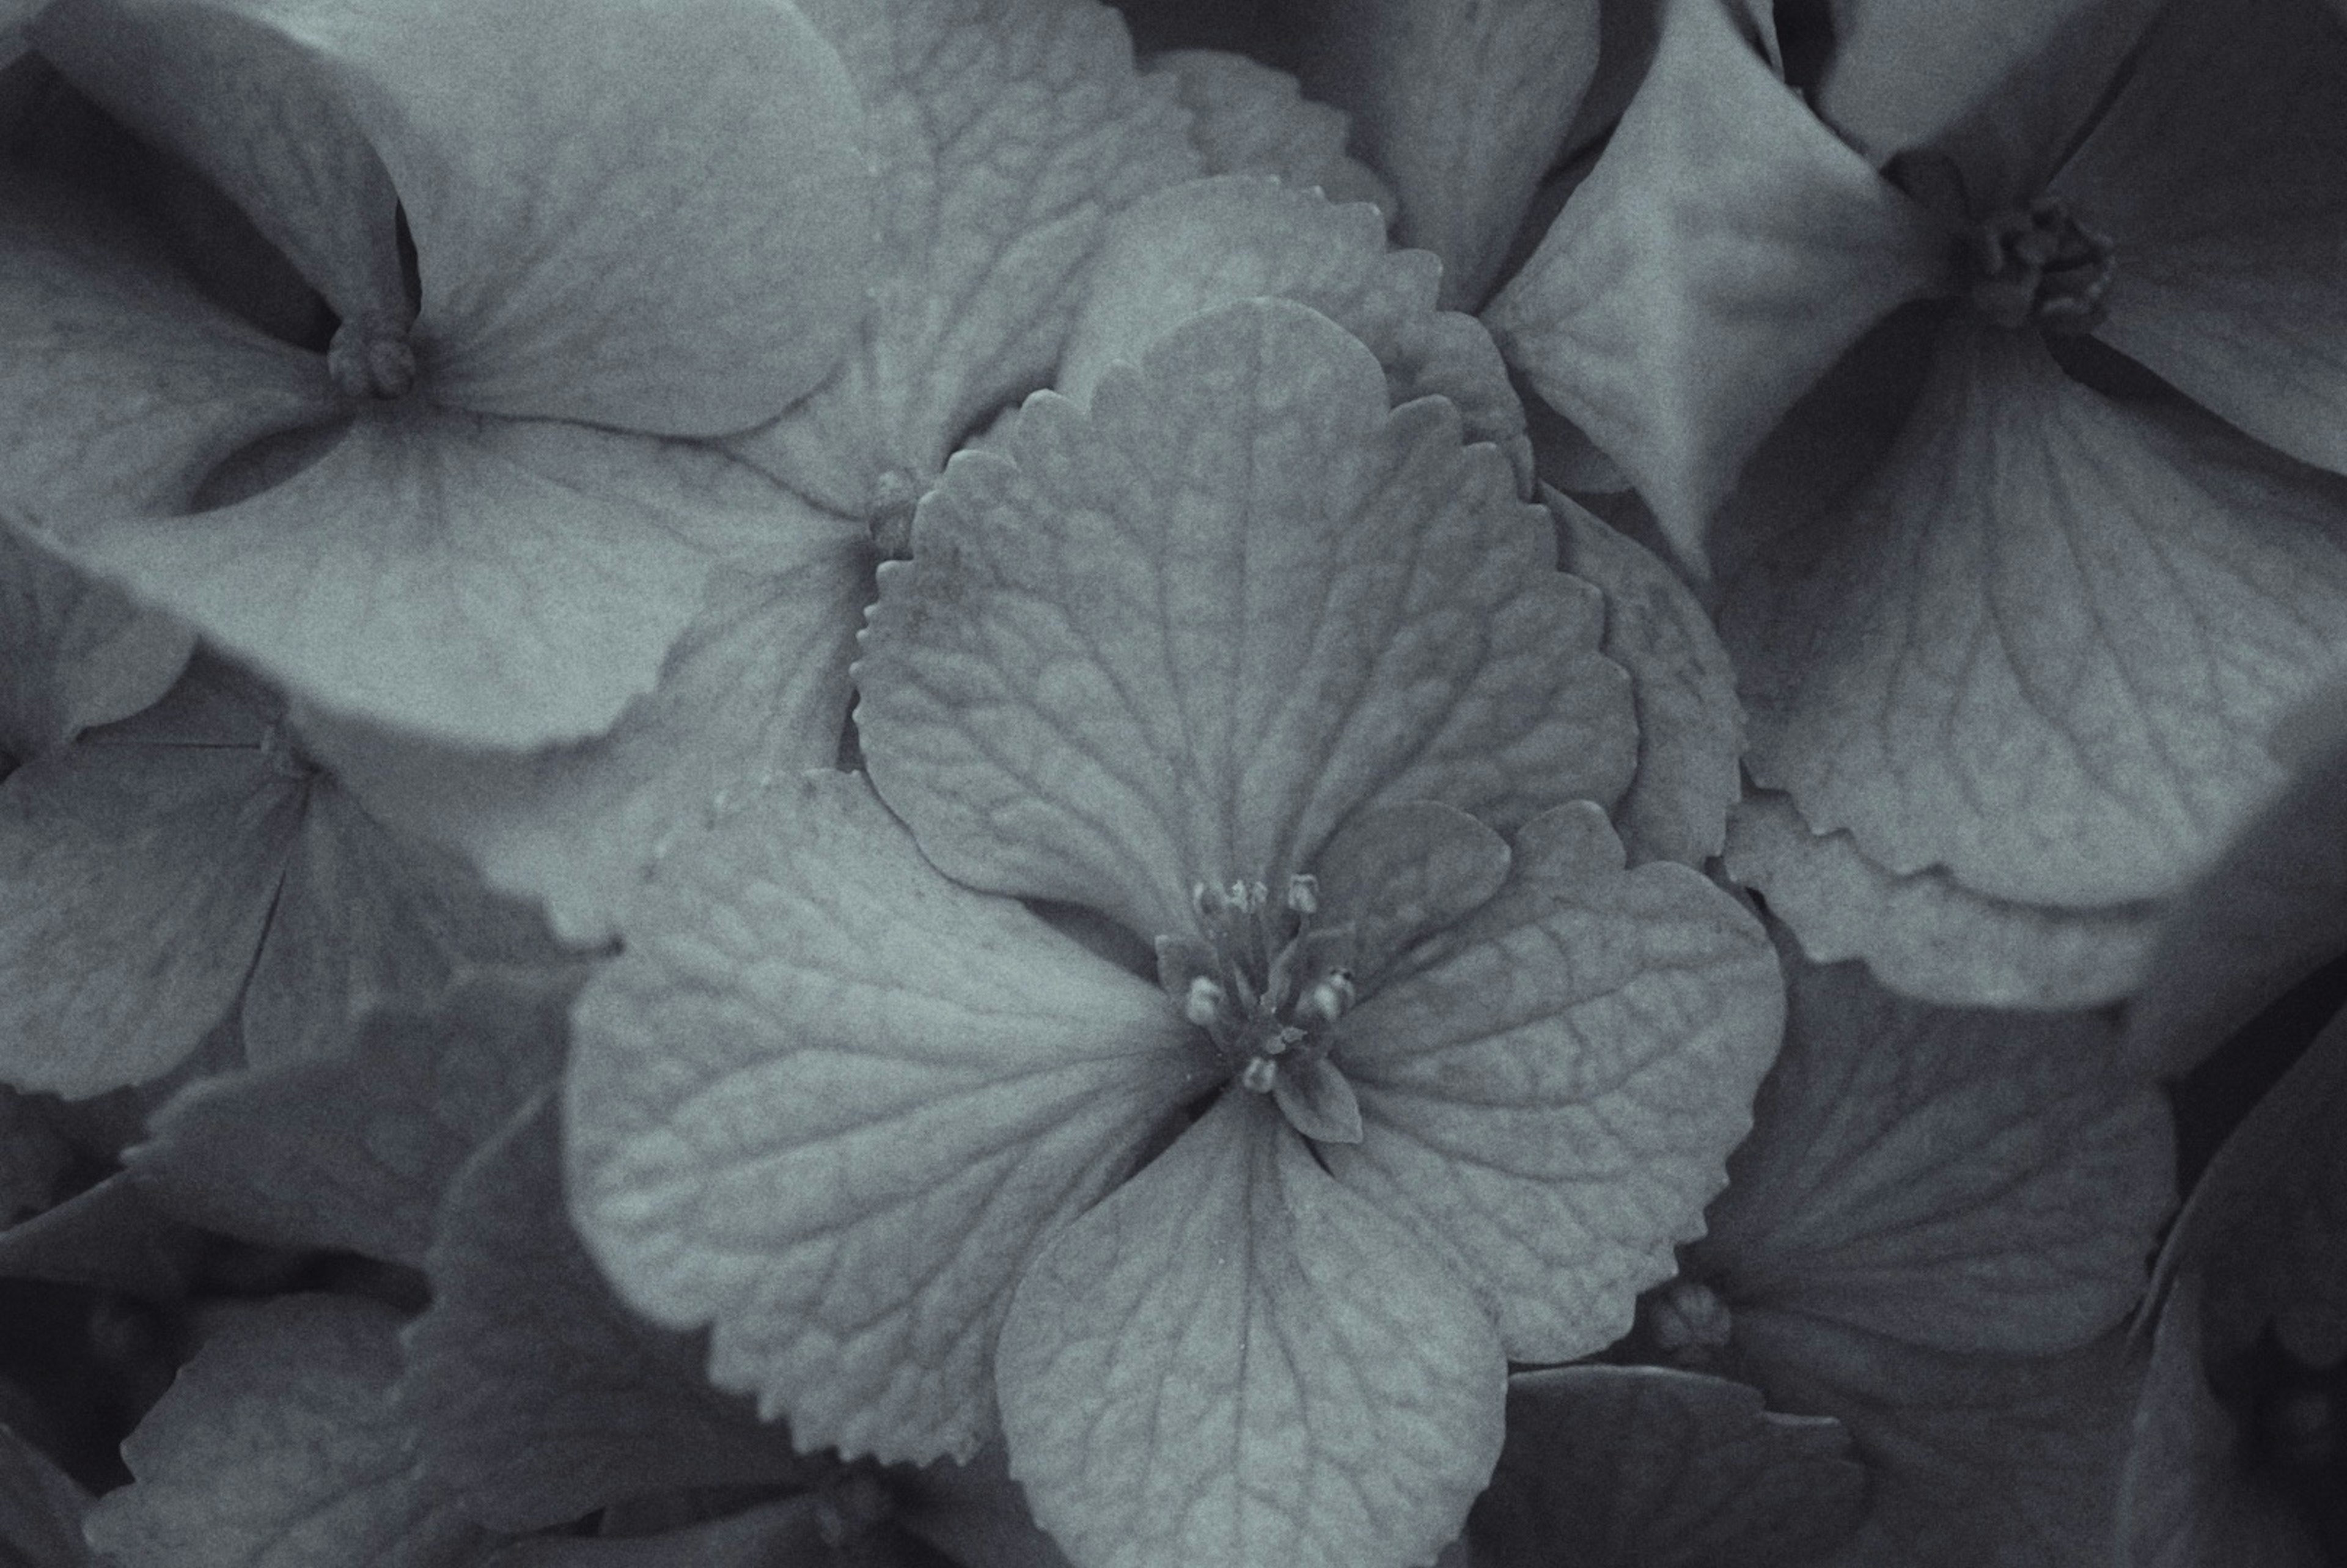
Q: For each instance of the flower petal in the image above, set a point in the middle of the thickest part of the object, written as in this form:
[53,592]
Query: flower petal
[121,387]
[1005,137]
[246,91]
[2002,87]
[1968,1180]
[353,1153]
[1690,726]
[1551,1088]
[538,1395]
[1396,874]
[1180,639]
[831,1102]
[483,582]
[1207,242]
[1647,1466]
[278,1444]
[1246,118]
[757,687]
[1722,254]
[2220,170]
[1463,105]
[73,653]
[139,881]
[2045,645]
[41,1507]
[1927,936]
[1233,1359]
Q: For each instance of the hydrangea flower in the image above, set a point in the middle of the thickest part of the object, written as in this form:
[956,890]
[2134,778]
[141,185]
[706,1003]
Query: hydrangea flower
[469,515]
[2014,618]
[1229,950]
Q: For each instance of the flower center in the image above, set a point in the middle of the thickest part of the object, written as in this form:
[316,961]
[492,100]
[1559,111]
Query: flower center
[1267,982]
[2040,266]
[371,357]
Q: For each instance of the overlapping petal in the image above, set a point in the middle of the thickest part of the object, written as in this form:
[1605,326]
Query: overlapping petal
[74,653]
[831,1102]
[1233,1361]
[1247,118]
[1181,638]
[1549,1089]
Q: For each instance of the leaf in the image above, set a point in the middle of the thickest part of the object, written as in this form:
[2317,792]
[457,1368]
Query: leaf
[139,879]
[2003,87]
[1233,1359]
[2044,647]
[1690,726]
[95,321]
[41,1509]
[829,1102]
[1462,103]
[479,582]
[1078,690]
[356,1152]
[2216,170]
[1550,1087]
[756,687]
[1247,118]
[538,1395]
[1925,934]
[1209,242]
[1723,252]
[1005,137]
[278,1447]
[1661,1468]
[73,653]
[1962,1180]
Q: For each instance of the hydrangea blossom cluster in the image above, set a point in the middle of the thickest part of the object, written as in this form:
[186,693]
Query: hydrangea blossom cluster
[1206,782]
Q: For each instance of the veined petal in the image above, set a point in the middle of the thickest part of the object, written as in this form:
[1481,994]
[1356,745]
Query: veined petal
[653,214]
[1180,639]
[2044,647]
[252,93]
[1551,1088]
[74,652]
[1924,934]
[121,387]
[1246,118]
[1725,251]
[830,1103]
[479,582]
[756,688]
[1005,137]
[1398,872]
[1234,1360]
[1463,105]
[2220,171]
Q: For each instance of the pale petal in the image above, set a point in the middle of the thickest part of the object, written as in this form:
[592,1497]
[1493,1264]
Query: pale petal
[73,653]
[1247,118]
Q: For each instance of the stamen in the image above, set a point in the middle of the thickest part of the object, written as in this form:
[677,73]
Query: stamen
[1204,1005]
[1328,999]
[2041,266]
[371,357]
[1304,894]
[1260,1074]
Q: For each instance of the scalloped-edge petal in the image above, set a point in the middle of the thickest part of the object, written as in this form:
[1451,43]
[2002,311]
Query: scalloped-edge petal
[1005,137]
[278,1444]
[487,583]
[73,653]
[1208,242]
[1234,1360]
[354,1153]
[538,1397]
[1964,1180]
[1550,1089]
[756,688]
[2002,87]
[1463,105]
[1649,1467]
[122,387]
[830,1103]
[1690,724]
[1925,934]
[2045,645]
[1180,639]
[247,92]
[1246,118]
[2220,171]
[1723,252]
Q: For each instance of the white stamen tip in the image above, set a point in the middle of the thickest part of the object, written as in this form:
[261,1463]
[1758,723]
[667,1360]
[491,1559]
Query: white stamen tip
[1329,997]
[1203,1003]
[1260,1074]
[1304,895]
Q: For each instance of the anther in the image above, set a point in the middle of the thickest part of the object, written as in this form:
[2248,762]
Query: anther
[1260,1074]
[1328,998]
[370,356]
[1204,1002]
[1304,894]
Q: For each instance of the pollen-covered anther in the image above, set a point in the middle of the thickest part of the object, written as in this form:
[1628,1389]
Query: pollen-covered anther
[1203,1004]
[1329,997]
[1304,894]
[1261,1075]
[371,357]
